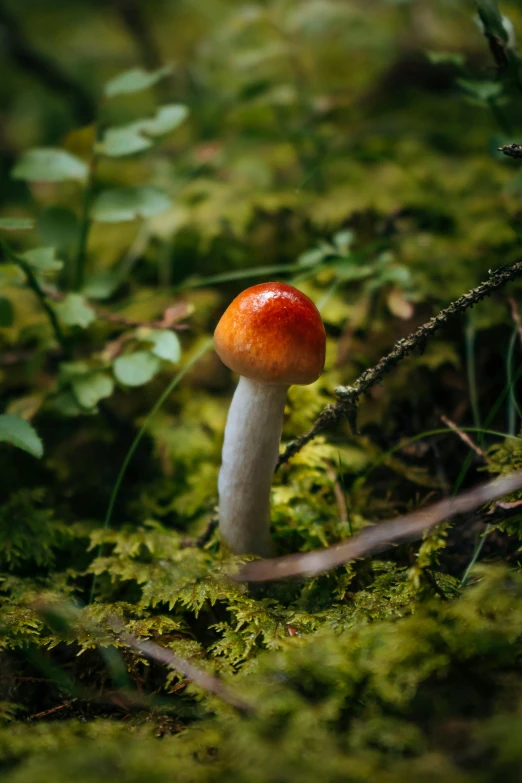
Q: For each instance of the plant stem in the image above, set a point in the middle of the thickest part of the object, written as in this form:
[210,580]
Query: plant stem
[34,284]
[78,275]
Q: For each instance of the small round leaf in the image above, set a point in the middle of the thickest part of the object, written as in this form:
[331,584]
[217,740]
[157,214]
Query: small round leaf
[136,369]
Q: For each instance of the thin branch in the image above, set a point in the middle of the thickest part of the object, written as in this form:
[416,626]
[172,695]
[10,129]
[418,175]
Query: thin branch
[199,677]
[464,437]
[348,396]
[34,284]
[338,491]
[408,527]
[45,713]
[511,150]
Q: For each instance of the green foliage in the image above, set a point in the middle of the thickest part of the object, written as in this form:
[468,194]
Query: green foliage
[127,204]
[49,165]
[135,80]
[21,434]
[29,533]
[122,243]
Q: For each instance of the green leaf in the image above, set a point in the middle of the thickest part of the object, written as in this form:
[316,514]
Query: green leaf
[311,257]
[47,164]
[16,224]
[134,137]
[343,240]
[124,204]
[59,227]
[492,19]
[6,312]
[20,433]
[167,118]
[165,343]
[135,80]
[43,259]
[74,311]
[446,58]
[102,284]
[136,368]
[90,389]
[482,91]
[125,140]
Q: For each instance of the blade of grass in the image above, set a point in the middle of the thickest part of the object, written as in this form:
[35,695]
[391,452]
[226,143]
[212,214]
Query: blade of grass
[134,445]
[513,406]
[341,480]
[237,274]
[476,555]
[427,434]
[471,368]
[491,415]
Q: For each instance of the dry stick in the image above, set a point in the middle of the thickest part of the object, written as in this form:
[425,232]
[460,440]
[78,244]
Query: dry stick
[348,396]
[464,437]
[408,527]
[199,677]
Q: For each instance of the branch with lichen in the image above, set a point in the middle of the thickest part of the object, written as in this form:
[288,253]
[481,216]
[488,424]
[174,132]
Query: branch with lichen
[511,150]
[348,396]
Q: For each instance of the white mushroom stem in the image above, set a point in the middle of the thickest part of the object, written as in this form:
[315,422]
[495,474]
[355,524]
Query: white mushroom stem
[250,453]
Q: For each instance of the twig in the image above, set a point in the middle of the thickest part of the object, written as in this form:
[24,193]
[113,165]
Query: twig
[408,527]
[199,677]
[338,491]
[511,150]
[34,284]
[348,396]
[45,713]
[464,437]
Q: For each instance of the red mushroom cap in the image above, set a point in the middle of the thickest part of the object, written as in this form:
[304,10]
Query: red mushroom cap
[272,333]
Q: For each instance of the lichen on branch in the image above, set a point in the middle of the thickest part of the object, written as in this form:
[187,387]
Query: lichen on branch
[348,396]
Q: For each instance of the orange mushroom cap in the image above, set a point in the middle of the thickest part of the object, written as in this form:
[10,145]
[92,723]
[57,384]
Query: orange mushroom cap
[272,333]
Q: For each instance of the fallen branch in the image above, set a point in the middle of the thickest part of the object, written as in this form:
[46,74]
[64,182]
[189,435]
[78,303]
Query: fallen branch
[408,527]
[199,677]
[348,396]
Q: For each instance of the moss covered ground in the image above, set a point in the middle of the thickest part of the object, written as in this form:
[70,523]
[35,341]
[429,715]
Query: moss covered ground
[350,149]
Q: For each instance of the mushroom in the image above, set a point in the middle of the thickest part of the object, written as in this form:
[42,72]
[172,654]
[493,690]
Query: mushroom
[271,335]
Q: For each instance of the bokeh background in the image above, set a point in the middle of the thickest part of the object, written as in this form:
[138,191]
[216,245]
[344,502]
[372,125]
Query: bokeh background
[156,158]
